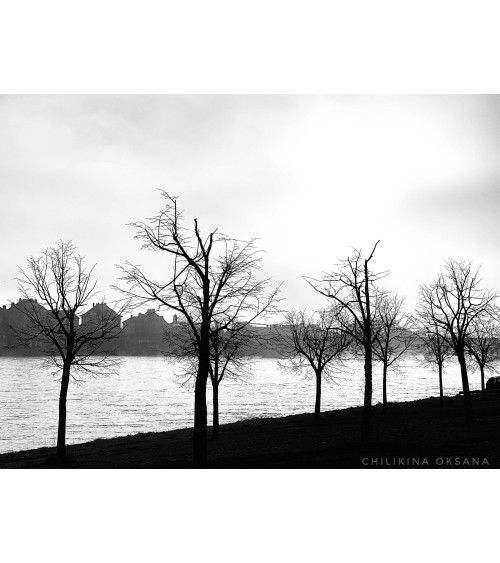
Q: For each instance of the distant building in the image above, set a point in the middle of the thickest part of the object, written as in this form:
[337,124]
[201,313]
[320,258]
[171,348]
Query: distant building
[101,313]
[145,325]
[143,334]
[101,316]
[15,320]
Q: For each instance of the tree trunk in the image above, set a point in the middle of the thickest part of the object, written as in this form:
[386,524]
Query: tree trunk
[367,405]
[317,405]
[200,417]
[384,388]
[465,388]
[441,396]
[483,388]
[61,430]
[215,392]
[200,400]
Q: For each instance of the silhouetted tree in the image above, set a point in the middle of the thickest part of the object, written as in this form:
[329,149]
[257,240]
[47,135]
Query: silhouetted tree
[436,353]
[394,337]
[62,283]
[229,359]
[454,303]
[352,286]
[483,345]
[315,343]
[211,290]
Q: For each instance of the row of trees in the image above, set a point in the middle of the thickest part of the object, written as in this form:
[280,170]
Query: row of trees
[463,319]
[211,282]
[455,318]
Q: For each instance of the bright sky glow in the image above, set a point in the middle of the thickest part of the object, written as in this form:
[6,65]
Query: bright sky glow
[310,176]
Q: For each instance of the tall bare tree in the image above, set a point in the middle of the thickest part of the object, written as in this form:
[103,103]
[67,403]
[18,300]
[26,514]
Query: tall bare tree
[483,345]
[352,286]
[211,283]
[314,343]
[394,337]
[453,303]
[64,287]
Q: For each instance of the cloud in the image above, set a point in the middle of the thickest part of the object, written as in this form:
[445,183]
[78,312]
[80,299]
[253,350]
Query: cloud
[311,176]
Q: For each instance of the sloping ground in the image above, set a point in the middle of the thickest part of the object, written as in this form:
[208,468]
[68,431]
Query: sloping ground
[417,434]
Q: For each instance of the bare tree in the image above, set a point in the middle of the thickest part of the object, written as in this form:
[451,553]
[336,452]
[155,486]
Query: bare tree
[64,286]
[314,343]
[230,359]
[352,286]
[211,283]
[394,337]
[454,303]
[436,353]
[483,345]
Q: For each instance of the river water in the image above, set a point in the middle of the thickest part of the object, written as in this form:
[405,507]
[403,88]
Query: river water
[144,396]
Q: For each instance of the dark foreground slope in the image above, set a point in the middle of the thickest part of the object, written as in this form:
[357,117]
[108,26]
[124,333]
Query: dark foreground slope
[412,434]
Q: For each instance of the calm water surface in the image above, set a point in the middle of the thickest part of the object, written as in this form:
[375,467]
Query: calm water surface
[143,396]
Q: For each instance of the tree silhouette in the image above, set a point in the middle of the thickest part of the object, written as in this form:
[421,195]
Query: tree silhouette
[211,284]
[454,303]
[394,337]
[314,343]
[436,353]
[483,345]
[230,359]
[352,286]
[65,287]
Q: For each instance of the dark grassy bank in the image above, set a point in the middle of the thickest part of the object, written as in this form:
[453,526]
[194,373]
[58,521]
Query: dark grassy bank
[412,434]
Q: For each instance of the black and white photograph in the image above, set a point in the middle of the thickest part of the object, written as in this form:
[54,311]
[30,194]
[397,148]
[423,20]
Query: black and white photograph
[249,281]
[263,281]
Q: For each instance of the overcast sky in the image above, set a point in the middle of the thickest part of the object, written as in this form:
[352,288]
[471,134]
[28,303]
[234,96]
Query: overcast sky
[310,176]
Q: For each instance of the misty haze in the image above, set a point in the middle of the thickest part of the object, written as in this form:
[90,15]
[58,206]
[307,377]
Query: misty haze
[249,281]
